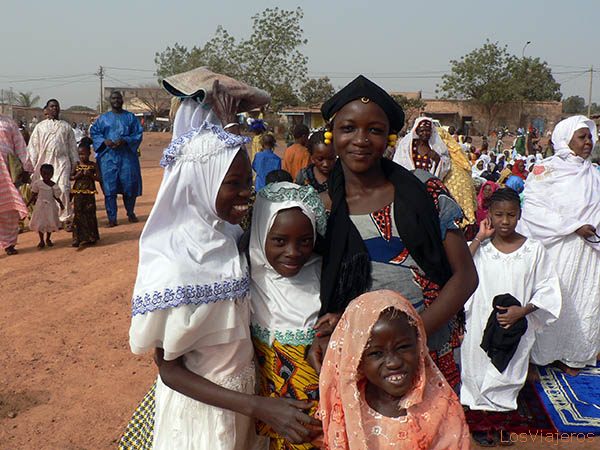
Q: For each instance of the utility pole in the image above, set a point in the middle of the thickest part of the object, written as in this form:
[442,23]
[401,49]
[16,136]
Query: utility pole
[101,76]
[589,112]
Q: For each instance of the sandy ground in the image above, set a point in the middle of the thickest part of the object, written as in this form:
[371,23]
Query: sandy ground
[67,378]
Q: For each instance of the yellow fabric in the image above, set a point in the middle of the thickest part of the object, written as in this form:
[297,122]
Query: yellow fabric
[256,146]
[459,181]
[285,373]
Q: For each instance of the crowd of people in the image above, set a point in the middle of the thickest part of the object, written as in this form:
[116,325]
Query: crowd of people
[49,179]
[366,290]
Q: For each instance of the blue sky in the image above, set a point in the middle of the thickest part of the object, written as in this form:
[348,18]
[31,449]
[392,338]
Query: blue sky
[401,45]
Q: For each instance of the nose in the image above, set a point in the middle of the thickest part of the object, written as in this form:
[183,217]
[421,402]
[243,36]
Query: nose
[361,138]
[292,251]
[393,361]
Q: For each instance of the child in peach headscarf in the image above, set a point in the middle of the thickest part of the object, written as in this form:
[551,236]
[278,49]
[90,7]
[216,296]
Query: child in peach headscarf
[379,387]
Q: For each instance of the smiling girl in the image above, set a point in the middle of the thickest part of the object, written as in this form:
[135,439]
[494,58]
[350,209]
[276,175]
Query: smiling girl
[379,387]
[389,229]
[285,294]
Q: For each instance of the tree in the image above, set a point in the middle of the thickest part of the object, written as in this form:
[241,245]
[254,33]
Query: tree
[153,99]
[270,58]
[491,77]
[533,80]
[573,105]
[316,90]
[481,76]
[27,99]
[412,107]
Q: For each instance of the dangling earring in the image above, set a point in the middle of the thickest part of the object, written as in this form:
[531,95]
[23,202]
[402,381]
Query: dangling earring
[392,139]
[328,135]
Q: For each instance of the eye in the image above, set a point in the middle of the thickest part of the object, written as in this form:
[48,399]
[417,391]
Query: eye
[375,354]
[376,131]
[347,128]
[278,241]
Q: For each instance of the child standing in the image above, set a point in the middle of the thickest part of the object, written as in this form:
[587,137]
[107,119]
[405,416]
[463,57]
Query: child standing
[265,161]
[46,196]
[380,388]
[85,223]
[509,264]
[322,159]
[285,293]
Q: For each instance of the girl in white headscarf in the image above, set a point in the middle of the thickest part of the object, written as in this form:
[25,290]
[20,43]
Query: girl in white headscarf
[561,208]
[423,148]
[285,284]
[191,301]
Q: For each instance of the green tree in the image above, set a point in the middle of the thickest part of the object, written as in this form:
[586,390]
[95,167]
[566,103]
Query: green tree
[80,108]
[533,80]
[490,76]
[573,105]
[27,99]
[481,76]
[316,90]
[270,58]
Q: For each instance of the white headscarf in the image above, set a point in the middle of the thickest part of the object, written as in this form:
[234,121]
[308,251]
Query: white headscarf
[403,155]
[562,193]
[191,115]
[283,304]
[475,170]
[190,273]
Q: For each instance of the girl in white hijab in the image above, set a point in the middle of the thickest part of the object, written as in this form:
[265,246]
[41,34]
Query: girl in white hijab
[191,300]
[285,286]
[561,208]
[408,156]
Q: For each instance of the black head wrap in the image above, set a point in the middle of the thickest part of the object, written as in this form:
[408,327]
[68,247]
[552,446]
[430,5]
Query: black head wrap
[363,88]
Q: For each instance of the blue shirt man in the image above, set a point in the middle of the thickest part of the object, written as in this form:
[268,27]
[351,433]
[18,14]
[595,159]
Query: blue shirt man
[117,135]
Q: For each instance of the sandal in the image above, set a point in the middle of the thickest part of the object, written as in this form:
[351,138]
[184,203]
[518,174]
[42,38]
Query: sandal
[11,250]
[485,438]
[41,245]
[49,243]
[75,244]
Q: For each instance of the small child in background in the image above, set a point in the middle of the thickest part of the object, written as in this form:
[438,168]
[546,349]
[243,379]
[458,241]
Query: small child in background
[518,294]
[285,281]
[322,159]
[379,387]
[278,176]
[46,197]
[265,161]
[83,194]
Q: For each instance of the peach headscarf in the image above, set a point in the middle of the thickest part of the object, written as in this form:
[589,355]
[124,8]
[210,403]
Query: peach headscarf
[434,418]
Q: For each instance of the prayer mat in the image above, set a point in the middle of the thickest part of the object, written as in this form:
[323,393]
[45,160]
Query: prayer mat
[573,403]
[529,417]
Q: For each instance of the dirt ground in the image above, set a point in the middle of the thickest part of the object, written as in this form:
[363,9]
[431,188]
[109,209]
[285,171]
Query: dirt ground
[67,378]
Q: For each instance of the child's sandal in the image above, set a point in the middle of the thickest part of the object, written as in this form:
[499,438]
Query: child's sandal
[49,243]
[41,245]
[485,438]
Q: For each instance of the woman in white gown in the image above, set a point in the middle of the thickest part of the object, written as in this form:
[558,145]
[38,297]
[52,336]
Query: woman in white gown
[561,209]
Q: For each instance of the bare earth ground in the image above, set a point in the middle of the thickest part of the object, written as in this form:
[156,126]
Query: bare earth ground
[67,378]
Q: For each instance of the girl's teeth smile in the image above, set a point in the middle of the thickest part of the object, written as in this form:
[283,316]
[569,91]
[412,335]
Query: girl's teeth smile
[395,379]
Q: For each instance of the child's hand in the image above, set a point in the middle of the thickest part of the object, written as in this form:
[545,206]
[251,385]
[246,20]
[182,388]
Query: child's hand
[287,418]
[510,316]
[486,230]
[327,323]
[316,352]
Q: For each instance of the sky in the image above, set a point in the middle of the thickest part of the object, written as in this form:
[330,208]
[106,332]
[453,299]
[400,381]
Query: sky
[54,48]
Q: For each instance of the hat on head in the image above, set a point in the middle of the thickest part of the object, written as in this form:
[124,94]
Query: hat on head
[198,83]
[363,88]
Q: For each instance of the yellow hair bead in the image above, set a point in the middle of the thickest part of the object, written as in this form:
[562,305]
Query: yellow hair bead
[328,135]
[327,141]
[392,137]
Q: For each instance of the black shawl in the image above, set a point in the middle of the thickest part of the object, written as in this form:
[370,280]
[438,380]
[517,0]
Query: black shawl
[346,264]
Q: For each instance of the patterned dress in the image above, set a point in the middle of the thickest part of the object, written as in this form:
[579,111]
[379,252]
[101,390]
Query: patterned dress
[394,268]
[306,177]
[85,223]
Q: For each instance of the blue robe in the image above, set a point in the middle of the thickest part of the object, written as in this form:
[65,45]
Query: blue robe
[119,167]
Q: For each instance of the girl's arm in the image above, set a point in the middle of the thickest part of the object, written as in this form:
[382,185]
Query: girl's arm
[485,232]
[62,206]
[33,199]
[459,287]
[285,416]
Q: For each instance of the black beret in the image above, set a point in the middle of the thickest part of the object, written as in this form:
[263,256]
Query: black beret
[362,87]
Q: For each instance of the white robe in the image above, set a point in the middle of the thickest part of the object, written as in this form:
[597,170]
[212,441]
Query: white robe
[561,194]
[527,275]
[53,142]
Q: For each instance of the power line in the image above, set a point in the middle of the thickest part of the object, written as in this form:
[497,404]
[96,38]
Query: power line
[129,69]
[47,78]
